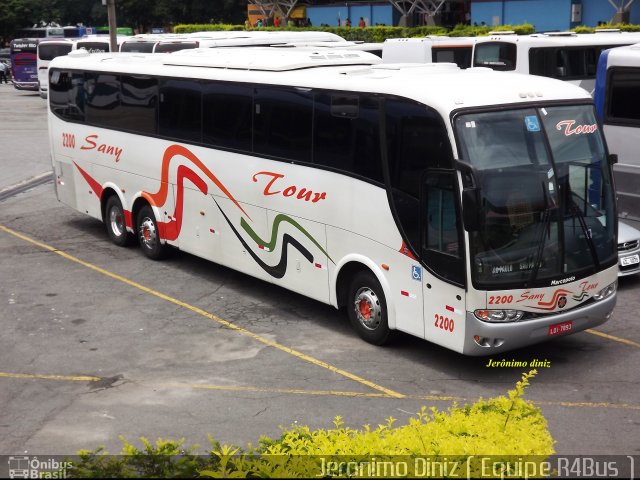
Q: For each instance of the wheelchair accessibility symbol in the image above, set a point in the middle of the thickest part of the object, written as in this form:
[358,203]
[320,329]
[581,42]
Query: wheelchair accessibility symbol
[416,273]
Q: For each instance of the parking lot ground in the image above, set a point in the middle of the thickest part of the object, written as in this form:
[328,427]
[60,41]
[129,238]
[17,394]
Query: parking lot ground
[99,342]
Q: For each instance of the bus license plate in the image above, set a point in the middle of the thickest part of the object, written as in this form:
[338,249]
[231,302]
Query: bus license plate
[631,260]
[560,328]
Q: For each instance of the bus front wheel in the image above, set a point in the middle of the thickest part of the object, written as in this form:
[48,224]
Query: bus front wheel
[114,220]
[367,309]
[148,234]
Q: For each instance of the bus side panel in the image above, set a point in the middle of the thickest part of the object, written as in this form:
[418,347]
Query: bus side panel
[444,314]
[201,225]
[403,292]
[624,141]
[240,251]
[299,245]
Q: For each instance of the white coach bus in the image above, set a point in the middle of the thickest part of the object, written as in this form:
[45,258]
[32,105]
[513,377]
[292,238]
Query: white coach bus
[617,100]
[477,214]
[566,56]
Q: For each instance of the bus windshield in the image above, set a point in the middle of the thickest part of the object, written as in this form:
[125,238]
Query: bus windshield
[500,56]
[24,67]
[546,197]
[49,51]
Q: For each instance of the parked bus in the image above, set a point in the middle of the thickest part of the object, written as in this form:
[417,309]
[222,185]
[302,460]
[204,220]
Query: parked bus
[436,49]
[471,214]
[47,50]
[41,32]
[24,63]
[98,43]
[563,55]
[617,99]
[167,43]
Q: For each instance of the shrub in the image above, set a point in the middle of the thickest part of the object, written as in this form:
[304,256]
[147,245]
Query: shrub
[496,428]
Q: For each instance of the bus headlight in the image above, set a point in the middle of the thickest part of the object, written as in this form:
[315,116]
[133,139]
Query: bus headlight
[497,316]
[606,292]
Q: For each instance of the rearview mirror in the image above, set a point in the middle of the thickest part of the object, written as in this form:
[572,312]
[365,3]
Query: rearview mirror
[470,197]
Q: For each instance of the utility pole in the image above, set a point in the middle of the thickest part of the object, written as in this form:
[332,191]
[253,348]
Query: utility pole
[111,13]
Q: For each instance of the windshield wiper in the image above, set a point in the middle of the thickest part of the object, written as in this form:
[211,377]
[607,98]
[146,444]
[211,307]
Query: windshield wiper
[577,213]
[546,228]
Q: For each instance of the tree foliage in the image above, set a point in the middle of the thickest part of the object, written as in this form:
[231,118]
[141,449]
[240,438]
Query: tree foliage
[139,14]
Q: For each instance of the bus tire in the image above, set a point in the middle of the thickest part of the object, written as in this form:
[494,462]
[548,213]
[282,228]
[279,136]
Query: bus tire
[114,220]
[148,234]
[367,309]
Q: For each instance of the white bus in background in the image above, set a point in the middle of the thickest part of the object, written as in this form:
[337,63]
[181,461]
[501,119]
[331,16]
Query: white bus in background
[436,49]
[167,43]
[617,100]
[470,214]
[47,50]
[565,56]
[370,47]
[98,43]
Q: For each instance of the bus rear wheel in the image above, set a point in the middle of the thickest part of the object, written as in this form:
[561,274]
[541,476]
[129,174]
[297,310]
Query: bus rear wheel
[148,234]
[367,309]
[114,220]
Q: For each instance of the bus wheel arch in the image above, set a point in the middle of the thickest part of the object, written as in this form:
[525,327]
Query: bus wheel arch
[147,230]
[360,292]
[114,218]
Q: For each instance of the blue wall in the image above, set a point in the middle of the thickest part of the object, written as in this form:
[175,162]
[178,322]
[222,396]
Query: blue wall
[373,14]
[545,15]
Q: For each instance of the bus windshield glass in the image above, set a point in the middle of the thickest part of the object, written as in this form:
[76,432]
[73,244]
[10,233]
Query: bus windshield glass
[546,196]
[49,51]
[495,55]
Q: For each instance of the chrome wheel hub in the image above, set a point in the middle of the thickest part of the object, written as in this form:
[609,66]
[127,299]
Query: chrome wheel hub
[116,221]
[368,309]
[148,233]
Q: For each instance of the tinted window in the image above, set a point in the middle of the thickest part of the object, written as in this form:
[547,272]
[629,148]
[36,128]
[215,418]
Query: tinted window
[180,113]
[347,134]
[67,95]
[461,56]
[138,47]
[93,47]
[138,103]
[565,63]
[51,51]
[623,101]
[174,46]
[441,246]
[227,115]
[282,123]
[495,55]
[416,140]
[102,92]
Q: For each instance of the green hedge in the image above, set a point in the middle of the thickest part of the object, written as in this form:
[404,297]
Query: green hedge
[372,34]
[459,439]
[381,33]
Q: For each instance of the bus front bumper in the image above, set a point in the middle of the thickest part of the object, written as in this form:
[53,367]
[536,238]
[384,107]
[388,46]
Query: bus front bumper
[482,338]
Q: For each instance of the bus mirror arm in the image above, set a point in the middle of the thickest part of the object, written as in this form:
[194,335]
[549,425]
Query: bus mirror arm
[470,197]
[613,158]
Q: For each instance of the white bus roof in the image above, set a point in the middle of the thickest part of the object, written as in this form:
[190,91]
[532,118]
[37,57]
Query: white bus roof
[628,56]
[441,85]
[551,39]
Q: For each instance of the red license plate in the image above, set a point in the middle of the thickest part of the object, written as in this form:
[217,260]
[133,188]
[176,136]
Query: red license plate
[560,328]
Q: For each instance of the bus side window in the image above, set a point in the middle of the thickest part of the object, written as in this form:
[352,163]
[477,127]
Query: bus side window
[138,107]
[282,120]
[441,233]
[102,94]
[347,134]
[416,140]
[226,116]
[67,94]
[623,98]
[180,109]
